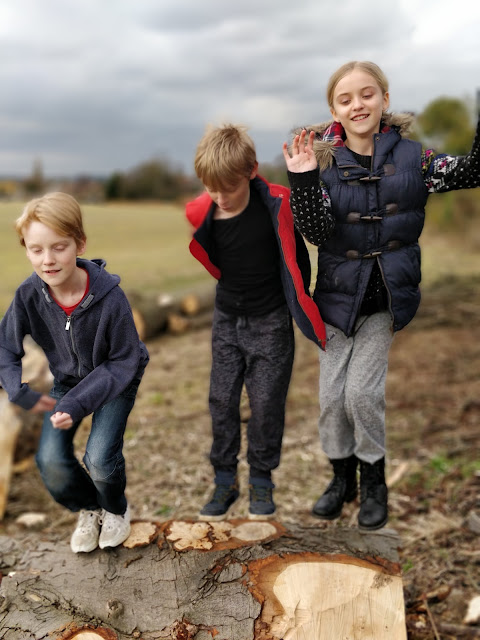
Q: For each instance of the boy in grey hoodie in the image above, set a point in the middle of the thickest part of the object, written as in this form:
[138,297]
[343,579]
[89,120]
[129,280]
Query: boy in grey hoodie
[76,312]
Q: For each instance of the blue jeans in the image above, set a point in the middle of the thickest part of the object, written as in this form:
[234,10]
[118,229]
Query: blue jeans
[102,483]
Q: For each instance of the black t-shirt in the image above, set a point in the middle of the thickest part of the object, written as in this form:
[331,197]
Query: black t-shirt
[247,253]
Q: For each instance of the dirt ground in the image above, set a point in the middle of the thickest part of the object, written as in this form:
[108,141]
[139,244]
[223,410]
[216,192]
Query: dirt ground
[433,463]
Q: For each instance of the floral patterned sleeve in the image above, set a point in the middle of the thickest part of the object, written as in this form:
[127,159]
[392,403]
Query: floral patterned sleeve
[311,206]
[442,172]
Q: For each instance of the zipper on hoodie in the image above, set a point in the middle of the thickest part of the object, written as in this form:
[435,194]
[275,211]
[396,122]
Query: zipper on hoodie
[68,324]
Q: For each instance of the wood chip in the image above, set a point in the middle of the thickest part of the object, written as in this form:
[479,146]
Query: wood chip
[473,612]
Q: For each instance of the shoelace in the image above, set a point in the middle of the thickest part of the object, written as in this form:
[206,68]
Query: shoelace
[260,493]
[371,485]
[86,519]
[109,521]
[221,493]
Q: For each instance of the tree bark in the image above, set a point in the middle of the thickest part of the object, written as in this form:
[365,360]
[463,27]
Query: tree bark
[231,580]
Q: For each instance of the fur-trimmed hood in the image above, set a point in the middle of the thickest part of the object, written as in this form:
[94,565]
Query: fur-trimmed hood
[330,134]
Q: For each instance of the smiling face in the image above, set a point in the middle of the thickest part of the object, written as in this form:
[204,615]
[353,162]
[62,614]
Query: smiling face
[53,256]
[358,104]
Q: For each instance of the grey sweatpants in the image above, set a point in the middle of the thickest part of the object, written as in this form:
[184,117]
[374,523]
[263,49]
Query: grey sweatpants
[352,389]
[256,351]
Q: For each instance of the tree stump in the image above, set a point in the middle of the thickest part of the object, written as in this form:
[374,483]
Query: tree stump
[231,580]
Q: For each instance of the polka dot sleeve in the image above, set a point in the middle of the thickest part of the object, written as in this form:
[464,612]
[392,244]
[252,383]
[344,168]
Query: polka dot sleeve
[311,206]
[448,173]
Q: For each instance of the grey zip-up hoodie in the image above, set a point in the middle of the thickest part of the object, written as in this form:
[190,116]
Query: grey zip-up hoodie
[96,351]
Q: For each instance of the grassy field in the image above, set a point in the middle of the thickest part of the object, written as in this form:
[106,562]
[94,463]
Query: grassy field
[147,244]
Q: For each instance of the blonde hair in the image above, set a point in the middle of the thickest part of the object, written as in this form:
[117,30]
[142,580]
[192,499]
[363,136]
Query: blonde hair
[57,210]
[369,67]
[224,155]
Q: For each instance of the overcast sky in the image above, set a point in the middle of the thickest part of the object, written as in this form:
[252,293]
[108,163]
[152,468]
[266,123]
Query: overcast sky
[95,86]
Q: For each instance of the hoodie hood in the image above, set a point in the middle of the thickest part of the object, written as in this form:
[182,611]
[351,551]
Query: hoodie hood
[95,352]
[101,282]
[330,134]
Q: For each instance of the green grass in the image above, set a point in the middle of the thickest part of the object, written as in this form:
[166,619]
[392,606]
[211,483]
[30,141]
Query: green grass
[145,244]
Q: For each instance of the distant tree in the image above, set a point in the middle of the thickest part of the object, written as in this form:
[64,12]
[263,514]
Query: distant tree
[115,186]
[275,171]
[35,184]
[446,125]
[152,180]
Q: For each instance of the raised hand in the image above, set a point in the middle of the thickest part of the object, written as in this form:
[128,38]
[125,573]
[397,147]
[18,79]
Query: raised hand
[302,158]
[61,420]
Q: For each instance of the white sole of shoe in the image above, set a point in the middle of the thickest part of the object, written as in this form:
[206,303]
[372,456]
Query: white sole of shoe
[114,543]
[256,516]
[219,518]
[85,549]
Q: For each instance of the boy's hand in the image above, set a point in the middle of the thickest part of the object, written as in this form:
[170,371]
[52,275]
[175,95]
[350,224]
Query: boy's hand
[45,403]
[61,420]
[303,158]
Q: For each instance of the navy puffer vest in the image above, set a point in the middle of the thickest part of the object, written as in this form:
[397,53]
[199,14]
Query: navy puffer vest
[379,216]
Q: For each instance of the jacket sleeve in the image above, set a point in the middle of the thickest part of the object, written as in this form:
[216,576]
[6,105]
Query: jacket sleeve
[13,328]
[110,378]
[303,260]
[311,206]
[443,172]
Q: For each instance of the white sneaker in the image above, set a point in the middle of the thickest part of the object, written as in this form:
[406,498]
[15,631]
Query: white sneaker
[115,529]
[85,536]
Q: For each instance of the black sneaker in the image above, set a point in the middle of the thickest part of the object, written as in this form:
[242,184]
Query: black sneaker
[222,498]
[262,506]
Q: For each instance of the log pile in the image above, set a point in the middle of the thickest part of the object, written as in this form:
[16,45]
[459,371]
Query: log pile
[172,313]
[230,580]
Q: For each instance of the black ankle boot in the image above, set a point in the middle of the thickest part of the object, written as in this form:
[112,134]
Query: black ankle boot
[374,495]
[342,488]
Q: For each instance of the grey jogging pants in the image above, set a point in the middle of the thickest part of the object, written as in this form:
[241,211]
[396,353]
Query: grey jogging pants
[352,389]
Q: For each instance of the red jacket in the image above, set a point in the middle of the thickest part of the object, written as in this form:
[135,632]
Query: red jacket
[295,261]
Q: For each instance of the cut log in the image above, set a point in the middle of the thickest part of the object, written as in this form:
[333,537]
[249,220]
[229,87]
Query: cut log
[231,580]
[15,421]
[203,299]
[150,314]
[178,324]
[155,314]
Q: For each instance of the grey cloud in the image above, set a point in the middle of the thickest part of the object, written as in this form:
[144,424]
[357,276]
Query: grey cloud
[95,87]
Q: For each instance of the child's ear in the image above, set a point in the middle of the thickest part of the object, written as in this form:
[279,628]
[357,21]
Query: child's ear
[334,115]
[254,171]
[386,100]
[81,248]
